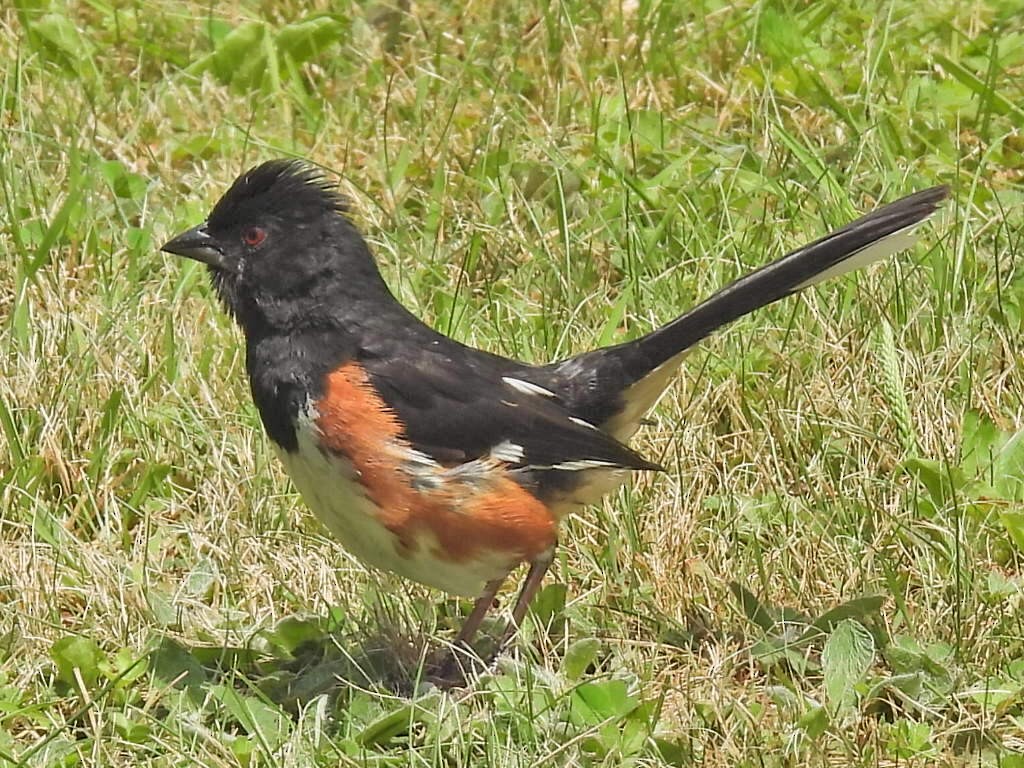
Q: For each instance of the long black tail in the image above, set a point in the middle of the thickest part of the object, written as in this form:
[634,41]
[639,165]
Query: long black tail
[598,384]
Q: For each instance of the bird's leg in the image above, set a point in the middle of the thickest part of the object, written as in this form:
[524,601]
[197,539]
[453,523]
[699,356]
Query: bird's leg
[480,608]
[538,568]
[448,671]
[534,578]
[451,670]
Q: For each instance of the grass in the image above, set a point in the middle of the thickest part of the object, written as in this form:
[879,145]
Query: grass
[828,574]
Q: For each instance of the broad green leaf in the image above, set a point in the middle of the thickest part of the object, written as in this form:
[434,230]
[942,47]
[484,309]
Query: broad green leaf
[940,479]
[814,722]
[779,36]
[980,442]
[579,656]
[172,664]
[292,632]
[259,719]
[846,658]
[1009,469]
[996,694]
[63,40]
[997,101]
[907,686]
[238,58]
[905,656]
[549,603]
[123,183]
[397,722]
[75,652]
[303,40]
[675,753]
[594,703]
[858,608]
[128,729]
[911,739]
[753,608]
[126,666]
[244,749]
[1013,522]
[202,577]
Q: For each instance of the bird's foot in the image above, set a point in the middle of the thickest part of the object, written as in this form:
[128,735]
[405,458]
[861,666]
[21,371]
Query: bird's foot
[453,666]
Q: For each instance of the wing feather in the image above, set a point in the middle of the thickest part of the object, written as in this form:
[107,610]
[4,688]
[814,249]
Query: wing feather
[457,410]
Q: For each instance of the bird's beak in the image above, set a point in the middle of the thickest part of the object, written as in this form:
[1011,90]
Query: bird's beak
[197,244]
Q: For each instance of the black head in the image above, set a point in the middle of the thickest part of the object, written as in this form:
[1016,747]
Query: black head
[276,241]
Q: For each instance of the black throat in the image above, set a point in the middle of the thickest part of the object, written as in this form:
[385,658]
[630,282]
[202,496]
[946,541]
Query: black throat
[291,347]
[287,371]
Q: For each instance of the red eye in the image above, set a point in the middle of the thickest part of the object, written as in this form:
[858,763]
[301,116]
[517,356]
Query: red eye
[254,236]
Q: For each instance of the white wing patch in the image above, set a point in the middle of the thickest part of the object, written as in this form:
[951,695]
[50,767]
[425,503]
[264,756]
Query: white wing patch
[424,473]
[527,387]
[508,452]
[579,465]
[581,423]
[413,458]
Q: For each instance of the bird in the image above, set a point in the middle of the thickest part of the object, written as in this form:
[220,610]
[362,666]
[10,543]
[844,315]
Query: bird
[448,465]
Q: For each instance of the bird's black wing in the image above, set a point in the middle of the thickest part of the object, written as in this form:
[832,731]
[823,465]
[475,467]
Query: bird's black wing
[458,406]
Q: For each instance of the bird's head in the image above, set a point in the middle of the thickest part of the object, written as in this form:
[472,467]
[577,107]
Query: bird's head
[276,242]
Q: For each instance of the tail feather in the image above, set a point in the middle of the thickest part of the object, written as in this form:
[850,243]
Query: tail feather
[868,239]
[615,386]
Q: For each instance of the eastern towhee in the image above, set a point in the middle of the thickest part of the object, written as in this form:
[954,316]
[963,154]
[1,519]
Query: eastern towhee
[445,464]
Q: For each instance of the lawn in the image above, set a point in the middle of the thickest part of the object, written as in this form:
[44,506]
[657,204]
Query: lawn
[830,571]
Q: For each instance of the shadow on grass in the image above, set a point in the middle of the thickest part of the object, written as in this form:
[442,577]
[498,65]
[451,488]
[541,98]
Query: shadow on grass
[300,660]
[303,659]
[291,678]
